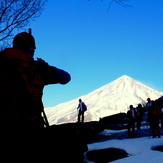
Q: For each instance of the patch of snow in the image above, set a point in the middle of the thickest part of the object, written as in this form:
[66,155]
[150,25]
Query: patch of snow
[139,149]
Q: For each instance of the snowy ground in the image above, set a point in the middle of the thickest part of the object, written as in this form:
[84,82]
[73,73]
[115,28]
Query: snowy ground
[139,149]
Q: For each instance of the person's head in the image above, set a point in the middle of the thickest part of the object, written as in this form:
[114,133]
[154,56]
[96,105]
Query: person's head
[131,107]
[25,41]
[148,99]
[139,105]
[80,100]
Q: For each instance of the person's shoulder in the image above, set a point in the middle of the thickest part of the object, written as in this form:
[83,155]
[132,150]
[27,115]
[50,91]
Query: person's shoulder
[13,53]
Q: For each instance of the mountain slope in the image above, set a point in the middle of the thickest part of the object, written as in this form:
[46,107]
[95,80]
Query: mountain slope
[109,99]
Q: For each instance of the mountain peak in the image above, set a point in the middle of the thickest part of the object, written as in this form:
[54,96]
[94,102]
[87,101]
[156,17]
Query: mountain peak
[124,77]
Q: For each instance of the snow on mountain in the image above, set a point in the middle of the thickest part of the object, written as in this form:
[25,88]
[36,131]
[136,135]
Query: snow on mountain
[109,99]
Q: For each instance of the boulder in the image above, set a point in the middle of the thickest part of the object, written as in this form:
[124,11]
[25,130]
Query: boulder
[157,148]
[106,155]
[69,141]
[115,122]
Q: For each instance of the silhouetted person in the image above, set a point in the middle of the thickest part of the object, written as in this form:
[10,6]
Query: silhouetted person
[82,108]
[159,103]
[22,80]
[139,115]
[131,114]
[154,115]
[148,104]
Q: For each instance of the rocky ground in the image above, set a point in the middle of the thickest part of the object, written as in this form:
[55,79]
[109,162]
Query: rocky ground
[123,135]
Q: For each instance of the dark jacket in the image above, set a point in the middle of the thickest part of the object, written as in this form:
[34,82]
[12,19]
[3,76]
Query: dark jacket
[130,114]
[22,81]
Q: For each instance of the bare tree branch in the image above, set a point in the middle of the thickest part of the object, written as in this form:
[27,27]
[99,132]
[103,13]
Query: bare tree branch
[119,2]
[16,14]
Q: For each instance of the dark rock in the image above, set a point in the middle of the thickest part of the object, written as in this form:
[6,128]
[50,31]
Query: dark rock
[158,148]
[120,118]
[106,155]
[69,141]
[86,130]
[115,122]
[115,126]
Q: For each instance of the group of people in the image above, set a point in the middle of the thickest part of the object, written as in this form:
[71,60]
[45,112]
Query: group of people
[136,116]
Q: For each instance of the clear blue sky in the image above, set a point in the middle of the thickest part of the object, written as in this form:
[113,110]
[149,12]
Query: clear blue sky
[97,47]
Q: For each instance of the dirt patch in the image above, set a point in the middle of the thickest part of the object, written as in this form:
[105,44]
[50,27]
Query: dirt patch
[106,155]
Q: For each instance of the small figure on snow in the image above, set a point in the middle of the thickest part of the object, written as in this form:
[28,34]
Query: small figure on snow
[82,108]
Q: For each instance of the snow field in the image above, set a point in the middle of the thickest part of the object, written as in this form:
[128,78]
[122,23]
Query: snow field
[139,149]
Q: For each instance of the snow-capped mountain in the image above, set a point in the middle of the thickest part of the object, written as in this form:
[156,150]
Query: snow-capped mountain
[109,99]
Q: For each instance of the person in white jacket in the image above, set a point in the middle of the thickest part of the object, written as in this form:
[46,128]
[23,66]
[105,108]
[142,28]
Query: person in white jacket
[82,108]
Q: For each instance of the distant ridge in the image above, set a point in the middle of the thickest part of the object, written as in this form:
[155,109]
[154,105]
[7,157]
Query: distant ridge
[112,98]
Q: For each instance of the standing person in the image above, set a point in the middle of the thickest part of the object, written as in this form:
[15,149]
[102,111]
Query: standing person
[22,81]
[148,104]
[154,115]
[160,104]
[161,116]
[131,114]
[147,108]
[82,108]
[139,115]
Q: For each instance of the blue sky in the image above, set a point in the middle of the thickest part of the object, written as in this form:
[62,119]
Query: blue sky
[97,47]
